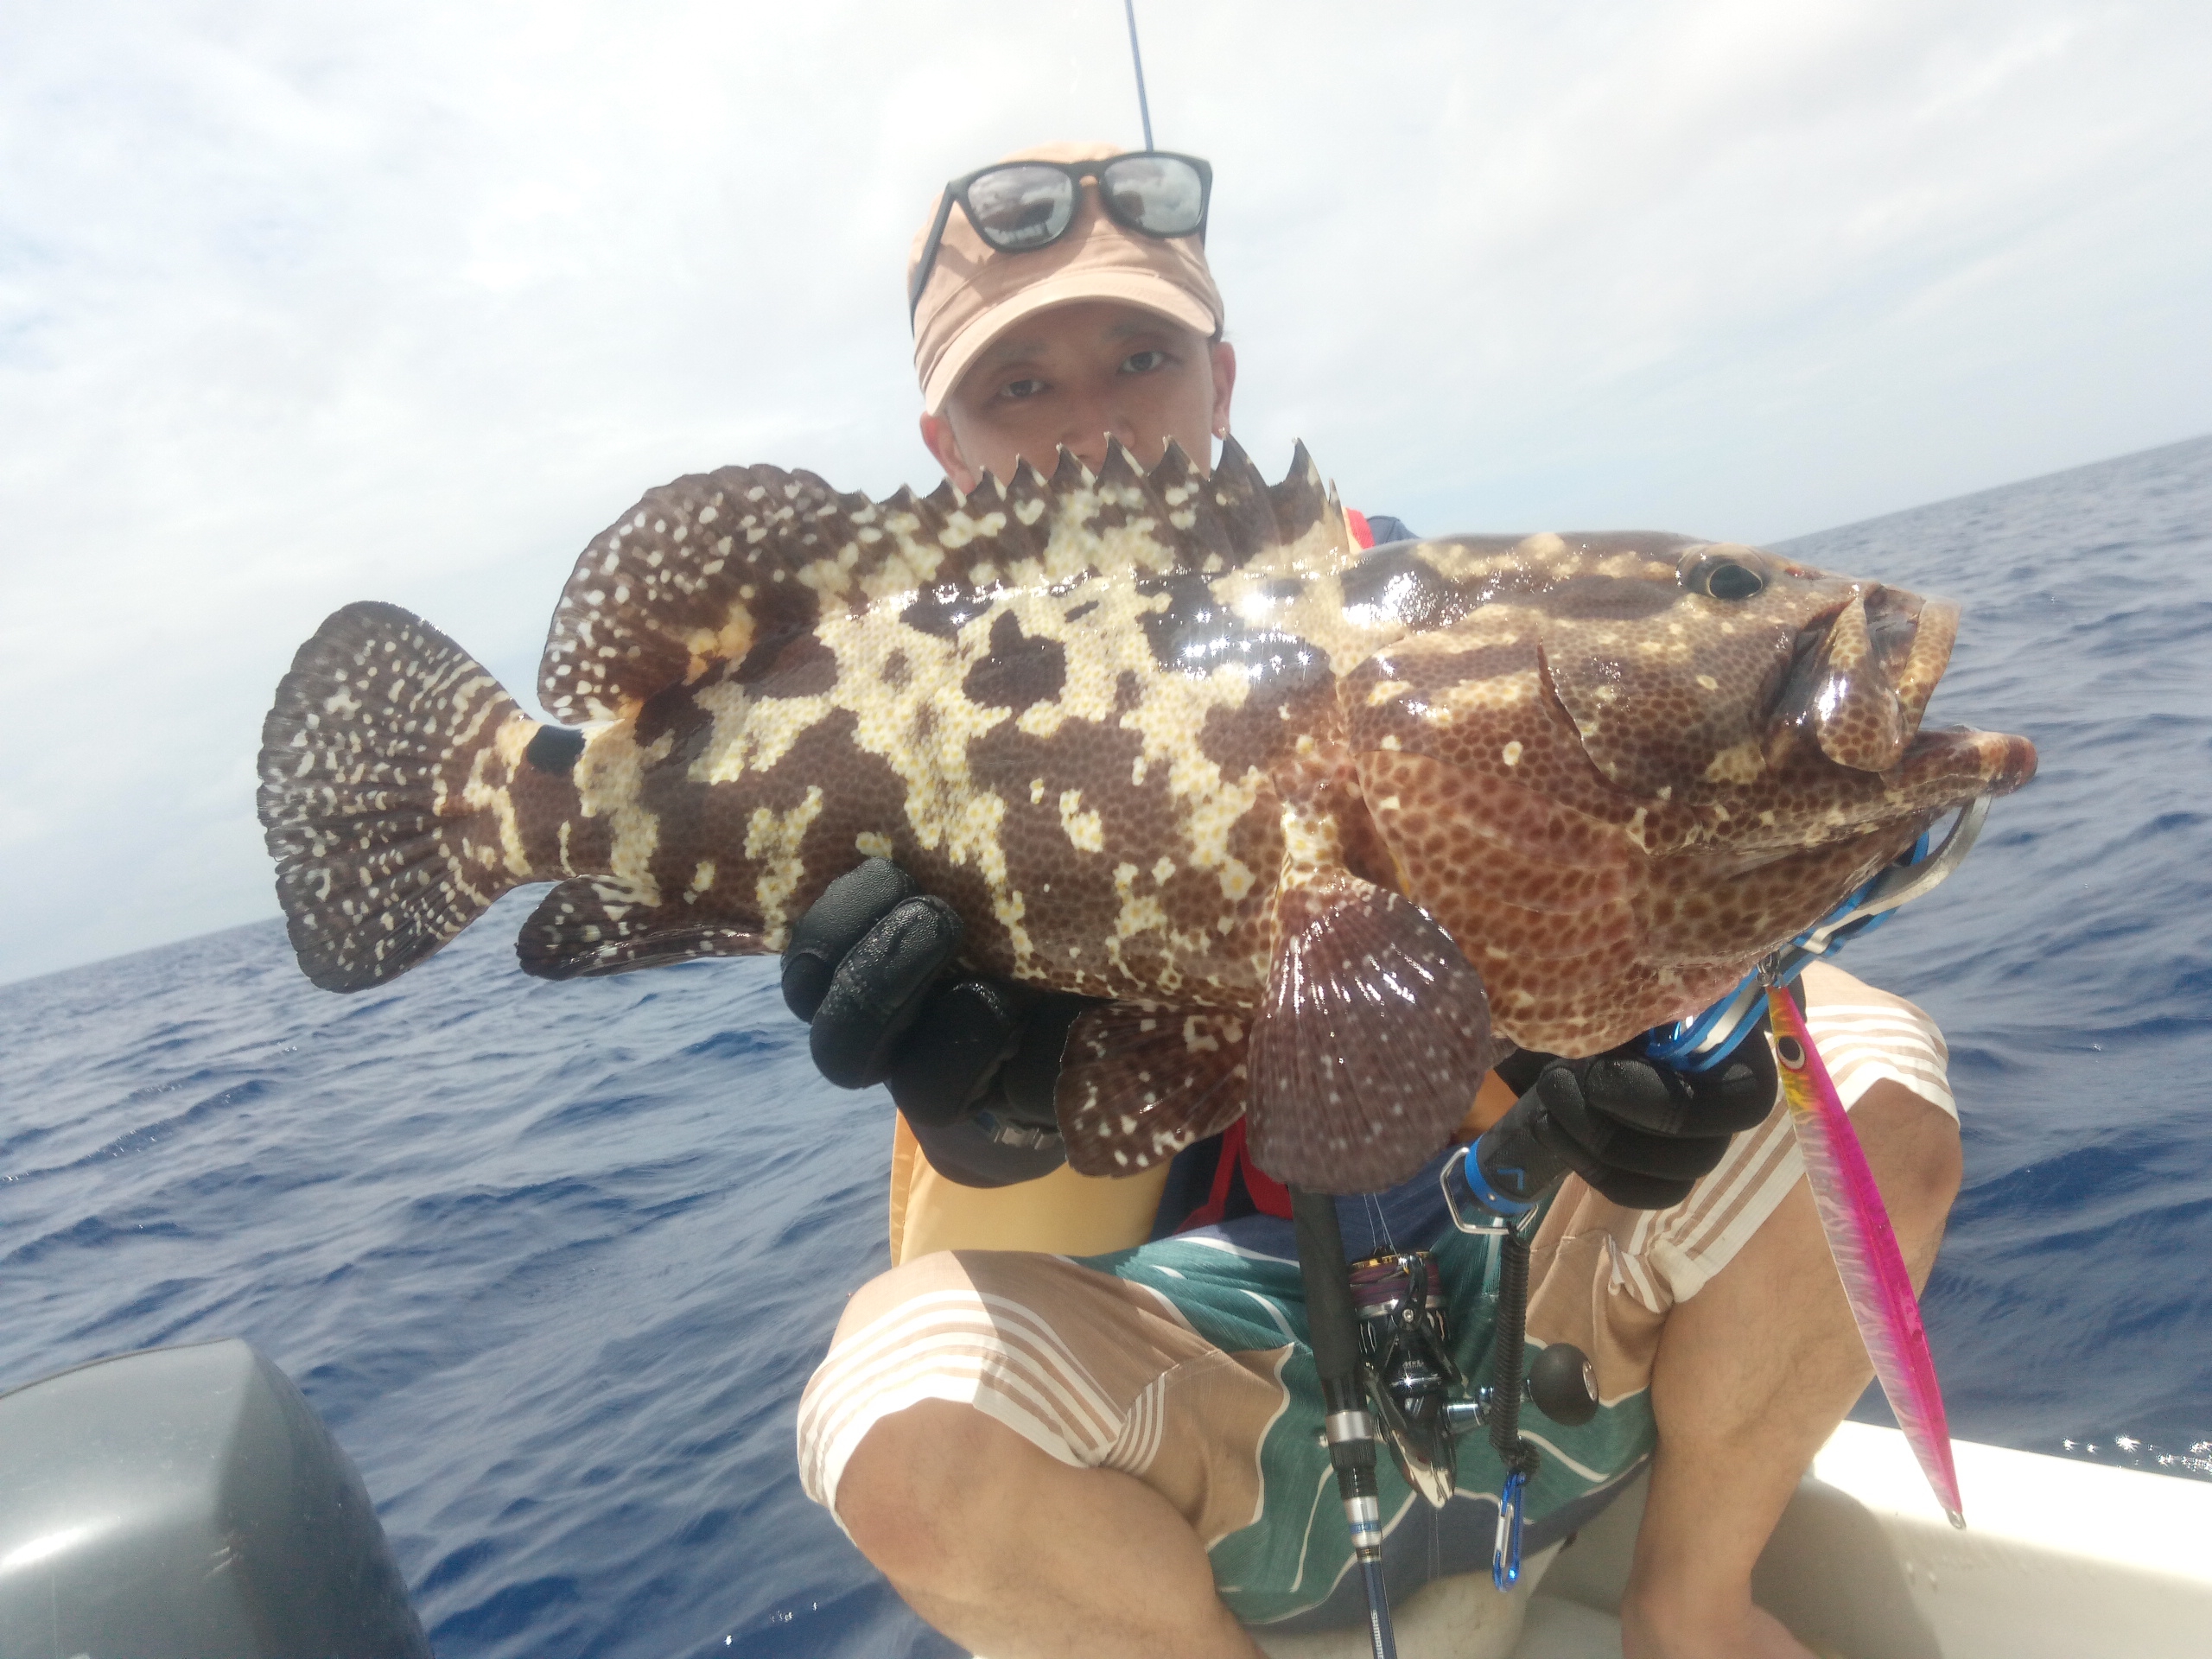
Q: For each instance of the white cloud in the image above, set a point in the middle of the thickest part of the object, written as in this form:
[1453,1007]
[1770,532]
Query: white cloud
[304,304]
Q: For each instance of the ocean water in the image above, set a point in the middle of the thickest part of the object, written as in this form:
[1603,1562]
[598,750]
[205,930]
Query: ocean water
[2069,961]
[554,1261]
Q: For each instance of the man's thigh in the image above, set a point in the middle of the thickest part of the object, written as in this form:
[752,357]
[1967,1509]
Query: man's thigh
[1091,1369]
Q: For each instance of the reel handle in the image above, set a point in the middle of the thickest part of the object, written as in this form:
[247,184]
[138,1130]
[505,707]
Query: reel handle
[1560,1384]
[1563,1385]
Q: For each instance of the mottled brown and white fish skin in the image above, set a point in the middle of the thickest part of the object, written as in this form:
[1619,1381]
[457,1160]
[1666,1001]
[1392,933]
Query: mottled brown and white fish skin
[1316,822]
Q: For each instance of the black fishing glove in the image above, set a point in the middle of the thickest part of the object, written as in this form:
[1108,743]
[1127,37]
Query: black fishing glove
[971,1062]
[1637,1130]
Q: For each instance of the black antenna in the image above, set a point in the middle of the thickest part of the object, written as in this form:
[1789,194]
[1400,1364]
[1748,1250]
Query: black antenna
[1137,56]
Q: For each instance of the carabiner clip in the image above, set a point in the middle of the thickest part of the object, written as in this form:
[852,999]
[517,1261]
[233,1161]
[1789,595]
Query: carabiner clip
[1506,1215]
[1505,1556]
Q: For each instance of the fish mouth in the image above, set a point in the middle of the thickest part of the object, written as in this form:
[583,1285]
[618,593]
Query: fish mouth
[1957,762]
[1860,677]
[1858,685]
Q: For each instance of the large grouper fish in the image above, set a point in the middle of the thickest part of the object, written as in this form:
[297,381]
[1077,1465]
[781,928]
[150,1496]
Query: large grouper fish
[1329,829]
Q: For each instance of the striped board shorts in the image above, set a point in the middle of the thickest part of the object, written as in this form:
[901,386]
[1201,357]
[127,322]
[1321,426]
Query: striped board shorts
[1184,1361]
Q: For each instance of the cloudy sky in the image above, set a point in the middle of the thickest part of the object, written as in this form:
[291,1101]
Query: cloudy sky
[303,303]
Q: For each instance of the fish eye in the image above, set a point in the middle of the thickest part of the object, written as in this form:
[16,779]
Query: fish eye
[1790,1052]
[1724,579]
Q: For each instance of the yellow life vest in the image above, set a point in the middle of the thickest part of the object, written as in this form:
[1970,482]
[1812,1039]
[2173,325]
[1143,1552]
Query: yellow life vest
[1060,1214]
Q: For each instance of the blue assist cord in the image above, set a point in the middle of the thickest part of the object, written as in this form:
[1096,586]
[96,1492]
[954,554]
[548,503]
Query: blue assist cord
[1700,1043]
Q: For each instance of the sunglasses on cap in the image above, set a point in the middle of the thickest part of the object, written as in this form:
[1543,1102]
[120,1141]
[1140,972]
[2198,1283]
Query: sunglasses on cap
[1020,207]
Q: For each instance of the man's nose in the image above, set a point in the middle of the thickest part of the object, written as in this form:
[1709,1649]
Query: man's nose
[1086,440]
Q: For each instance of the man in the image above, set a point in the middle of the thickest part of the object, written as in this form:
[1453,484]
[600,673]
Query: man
[1117,1455]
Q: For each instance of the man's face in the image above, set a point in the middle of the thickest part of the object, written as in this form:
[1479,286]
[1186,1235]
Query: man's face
[1073,375]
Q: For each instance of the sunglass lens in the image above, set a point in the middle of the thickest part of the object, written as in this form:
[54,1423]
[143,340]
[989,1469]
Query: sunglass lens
[1161,194]
[1017,208]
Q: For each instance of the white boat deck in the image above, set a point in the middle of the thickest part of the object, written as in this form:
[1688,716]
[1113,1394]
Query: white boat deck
[2060,1560]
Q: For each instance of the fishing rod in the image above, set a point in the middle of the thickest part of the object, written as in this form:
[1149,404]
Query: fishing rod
[1332,1323]
[1137,56]
[1383,1350]
[1333,1329]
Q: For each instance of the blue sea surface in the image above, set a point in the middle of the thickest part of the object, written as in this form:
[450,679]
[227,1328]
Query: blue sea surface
[555,1261]
[2070,962]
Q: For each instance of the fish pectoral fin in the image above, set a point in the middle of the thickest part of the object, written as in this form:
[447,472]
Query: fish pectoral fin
[1139,1083]
[593,926]
[1372,1037]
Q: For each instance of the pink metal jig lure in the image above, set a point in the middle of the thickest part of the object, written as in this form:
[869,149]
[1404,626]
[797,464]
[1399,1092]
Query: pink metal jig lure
[1866,1250]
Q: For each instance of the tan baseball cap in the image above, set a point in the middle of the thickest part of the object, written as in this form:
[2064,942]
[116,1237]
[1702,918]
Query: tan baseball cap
[976,293]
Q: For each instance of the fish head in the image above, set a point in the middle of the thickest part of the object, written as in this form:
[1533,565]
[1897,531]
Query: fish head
[1620,769]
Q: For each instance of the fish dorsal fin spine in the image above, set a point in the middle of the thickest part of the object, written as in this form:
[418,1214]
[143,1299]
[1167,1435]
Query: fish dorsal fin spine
[1239,494]
[703,569]
[1118,471]
[1309,524]
[1069,473]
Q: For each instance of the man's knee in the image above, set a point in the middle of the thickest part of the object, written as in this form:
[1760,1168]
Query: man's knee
[850,1459]
[1912,1146]
[909,1482]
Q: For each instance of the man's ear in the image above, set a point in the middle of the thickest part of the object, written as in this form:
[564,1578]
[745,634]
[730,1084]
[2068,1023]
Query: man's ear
[1224,381]
[937,437]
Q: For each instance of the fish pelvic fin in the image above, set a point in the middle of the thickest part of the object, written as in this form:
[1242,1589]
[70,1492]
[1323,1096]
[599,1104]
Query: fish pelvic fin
[394,779]
[1140,1081]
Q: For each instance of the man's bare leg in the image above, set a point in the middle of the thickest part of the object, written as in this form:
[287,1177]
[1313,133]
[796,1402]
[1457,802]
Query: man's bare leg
[1753,1373]
[1019,1556]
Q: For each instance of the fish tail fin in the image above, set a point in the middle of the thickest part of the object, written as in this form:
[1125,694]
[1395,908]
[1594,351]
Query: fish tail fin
[384,767]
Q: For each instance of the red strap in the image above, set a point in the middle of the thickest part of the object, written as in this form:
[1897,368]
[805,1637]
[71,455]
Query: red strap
[1269,1195]
[1360,533]
[1217,1200]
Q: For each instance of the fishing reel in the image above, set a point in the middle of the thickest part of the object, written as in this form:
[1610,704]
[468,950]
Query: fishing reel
[1405,1352]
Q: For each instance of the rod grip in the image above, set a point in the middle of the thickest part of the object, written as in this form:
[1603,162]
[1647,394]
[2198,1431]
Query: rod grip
[1512,1156]
[1333,1328]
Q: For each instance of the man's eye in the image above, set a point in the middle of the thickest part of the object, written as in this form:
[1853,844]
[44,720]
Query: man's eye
[1143,362]
[1028,387]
